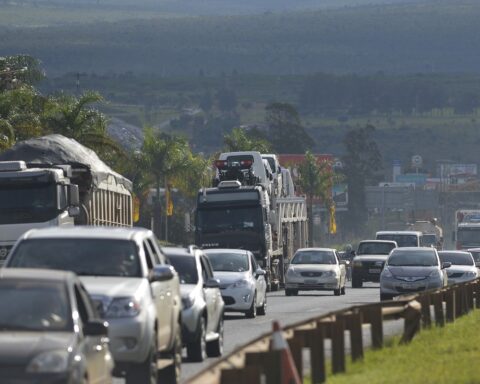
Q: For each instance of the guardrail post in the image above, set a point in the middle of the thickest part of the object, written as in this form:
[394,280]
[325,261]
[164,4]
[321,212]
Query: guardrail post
[270,362]
[449,296]
[338,344]
[296,345]
[458,302]
[477,294]
[354,323]
[249,374]
[317,353]
[470,302]
[425,302]
[438,308]
[412,316]
[373,316]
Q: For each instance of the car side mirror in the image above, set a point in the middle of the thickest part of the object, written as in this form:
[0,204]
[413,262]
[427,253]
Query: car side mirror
[73,195]
[343,262]
[96,328]
[446,265]
[73,211]
[260,272]
[211,283]
[161,273]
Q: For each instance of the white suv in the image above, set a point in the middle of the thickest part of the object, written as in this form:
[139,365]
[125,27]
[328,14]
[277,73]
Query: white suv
[127,277]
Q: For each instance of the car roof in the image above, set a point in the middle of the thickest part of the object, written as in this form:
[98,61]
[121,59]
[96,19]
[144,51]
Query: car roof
[36,274]
[454,251]
[379,241]
[90,232]
[399,233]
[473,249]
[177,251]
[225,250]
[412,249]
[316,249]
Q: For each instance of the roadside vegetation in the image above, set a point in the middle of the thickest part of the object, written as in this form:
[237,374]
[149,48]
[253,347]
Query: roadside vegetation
[437,355]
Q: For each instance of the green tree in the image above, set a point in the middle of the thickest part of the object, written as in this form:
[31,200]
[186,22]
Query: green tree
[241,140]
[362,161]
[17,71]
[285,129]
[316,181]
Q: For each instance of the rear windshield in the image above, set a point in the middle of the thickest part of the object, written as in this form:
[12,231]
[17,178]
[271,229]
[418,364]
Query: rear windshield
[375,248]
[400,239]
[186,268]
[456,258]
[314,257]
[420,258]
[85,257]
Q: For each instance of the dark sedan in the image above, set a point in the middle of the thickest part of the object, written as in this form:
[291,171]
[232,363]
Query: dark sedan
[49,331]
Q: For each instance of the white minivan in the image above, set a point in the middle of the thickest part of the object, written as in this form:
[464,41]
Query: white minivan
[402,238]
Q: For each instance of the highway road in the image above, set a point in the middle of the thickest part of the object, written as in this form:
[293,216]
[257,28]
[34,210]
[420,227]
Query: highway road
[288,310]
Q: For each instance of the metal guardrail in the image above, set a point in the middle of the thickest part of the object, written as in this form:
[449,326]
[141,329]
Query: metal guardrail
[255,363]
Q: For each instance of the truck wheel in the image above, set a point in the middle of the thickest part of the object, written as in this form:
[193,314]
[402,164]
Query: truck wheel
[147,371]
[252,312]
[197,351]
[357,282]
[172,373]
[215,347]
[262,310]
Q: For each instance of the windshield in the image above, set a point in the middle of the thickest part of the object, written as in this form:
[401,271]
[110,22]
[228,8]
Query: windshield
[34,306]
[456,258]
[314,257]
[476,255]
[401,240]
[429,239]
[468,235]
[186,268]
[228,262]
[375,248]
[271,162]
[231,218]
[420,258]
[27,203]
[85,257]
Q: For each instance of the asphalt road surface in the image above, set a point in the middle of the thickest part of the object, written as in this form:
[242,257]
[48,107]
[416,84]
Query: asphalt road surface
[288,310]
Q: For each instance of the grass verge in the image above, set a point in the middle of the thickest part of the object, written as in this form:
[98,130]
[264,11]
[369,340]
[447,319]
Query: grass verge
[438,355]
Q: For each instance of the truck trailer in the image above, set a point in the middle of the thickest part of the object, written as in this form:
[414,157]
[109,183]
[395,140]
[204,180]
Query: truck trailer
[55,181]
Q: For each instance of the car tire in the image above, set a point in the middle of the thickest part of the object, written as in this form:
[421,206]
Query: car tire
[172,374]
[357,282]
[197,351]
[147,371]
[252,312]
[342,290]
[288,292]
[337,292]
[274,287]
[384,297]
[262,310]
[215,347]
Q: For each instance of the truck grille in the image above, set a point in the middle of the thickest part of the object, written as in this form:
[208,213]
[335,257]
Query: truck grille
[311,274]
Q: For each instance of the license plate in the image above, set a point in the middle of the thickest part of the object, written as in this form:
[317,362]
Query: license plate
[311,282]
[410,286]
[374,270]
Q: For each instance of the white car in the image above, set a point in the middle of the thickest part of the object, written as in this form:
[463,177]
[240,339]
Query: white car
[242,281]
[315,269]
[463,266]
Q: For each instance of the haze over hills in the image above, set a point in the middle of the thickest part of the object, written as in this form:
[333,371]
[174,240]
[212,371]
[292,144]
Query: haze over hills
[429,37]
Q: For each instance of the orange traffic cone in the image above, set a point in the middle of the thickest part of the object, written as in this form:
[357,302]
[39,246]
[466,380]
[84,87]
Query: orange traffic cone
[289,371]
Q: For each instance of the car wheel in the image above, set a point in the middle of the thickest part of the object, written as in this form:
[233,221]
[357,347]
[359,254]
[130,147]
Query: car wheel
[342,290]
[274,287]
[147,371]
[172,373]
[337,292]
[357,282]
[252,312]
[197,351]
[215,347]
[384,297]
[262,310]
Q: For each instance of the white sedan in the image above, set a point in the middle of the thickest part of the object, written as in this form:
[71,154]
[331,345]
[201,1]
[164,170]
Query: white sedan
[242,281]
[315,269]
[463,266]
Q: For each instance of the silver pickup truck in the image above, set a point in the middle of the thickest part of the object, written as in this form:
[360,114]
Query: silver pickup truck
[125,273]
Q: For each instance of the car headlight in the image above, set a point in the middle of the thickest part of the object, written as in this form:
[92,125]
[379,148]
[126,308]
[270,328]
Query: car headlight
[240,284]
[123,307]
[386,273]
[471,274]
[330,274]
[291,272]
[188,301]
[434,275]
[49,362]
[357,263]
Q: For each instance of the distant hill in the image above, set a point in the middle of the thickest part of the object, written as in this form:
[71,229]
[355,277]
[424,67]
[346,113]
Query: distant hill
[407,38]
